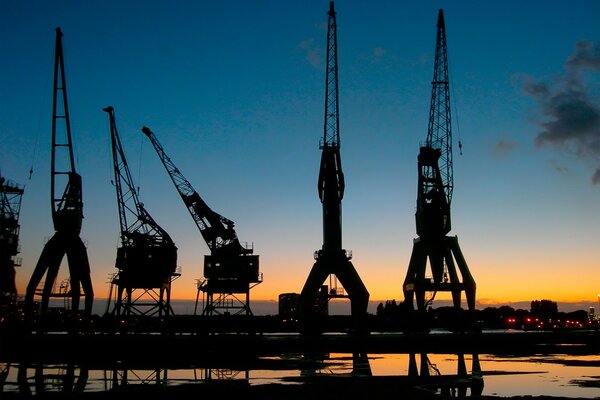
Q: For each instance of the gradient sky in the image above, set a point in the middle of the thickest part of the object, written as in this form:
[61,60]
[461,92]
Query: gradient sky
[234,90]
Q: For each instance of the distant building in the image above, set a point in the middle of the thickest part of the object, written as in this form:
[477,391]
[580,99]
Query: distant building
[289,305]
[592,314]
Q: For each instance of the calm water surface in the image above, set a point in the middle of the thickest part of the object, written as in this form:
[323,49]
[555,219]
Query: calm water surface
[555,375]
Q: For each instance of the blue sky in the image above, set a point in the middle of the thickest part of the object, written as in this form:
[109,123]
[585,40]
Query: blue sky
[235,92]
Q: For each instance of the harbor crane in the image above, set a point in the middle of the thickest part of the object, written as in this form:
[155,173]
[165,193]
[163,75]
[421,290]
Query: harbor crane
[147,258]
[332,259]
[231,268]
[11,195]
[434,195]
[67,209]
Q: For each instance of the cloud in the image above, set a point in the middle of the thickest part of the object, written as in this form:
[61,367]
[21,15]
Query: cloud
[571,120]
[313,53]
[587,55]
[378,52]
[558,167]
[505,146]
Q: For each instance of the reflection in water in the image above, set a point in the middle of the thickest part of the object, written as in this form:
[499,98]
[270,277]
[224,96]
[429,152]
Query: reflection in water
[457,385]
[125,378]
[317,364]
[67,378]
[209,374]
[4,369]
[451,375]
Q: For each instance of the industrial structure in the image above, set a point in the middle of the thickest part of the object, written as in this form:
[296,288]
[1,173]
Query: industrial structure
[231,269]
[332,259]
[10,207]
[434,194]
[147,258]
[67,210]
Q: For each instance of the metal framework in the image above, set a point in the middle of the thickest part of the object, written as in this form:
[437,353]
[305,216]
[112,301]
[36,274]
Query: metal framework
[332,259]
[231,268]
[435,185]
[10,207]
[147,258]
[67,207]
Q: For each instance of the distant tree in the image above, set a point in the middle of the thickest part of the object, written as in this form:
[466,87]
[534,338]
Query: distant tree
[544,308]
[579,315]
[380,310]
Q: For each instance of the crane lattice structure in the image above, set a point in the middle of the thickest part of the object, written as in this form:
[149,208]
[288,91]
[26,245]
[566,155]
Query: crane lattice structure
[231,268]
[435,186]
[10,207]
[332,259]
[147,258]
[67,209]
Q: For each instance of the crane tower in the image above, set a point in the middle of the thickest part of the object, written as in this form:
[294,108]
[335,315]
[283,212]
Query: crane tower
[231,268]
[147,258]
[434,195]
[332,259]
[67,209]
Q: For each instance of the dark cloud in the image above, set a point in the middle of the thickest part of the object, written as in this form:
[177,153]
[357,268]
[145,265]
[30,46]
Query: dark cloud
[596,177]
[571,117]
[504,146]
[587,55]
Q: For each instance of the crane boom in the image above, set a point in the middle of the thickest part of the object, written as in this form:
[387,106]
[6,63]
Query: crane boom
[217,231]
[133,217]
[67,207]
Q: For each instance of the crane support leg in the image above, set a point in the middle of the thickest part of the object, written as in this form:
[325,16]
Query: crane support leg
[444,257]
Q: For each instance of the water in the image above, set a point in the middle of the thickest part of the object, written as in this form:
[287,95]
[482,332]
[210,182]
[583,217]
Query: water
[573,376]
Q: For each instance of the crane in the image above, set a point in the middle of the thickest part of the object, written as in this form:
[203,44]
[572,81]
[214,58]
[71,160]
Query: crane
[147,258]
[332,259]
[66,204]
[10,207]
[231,267]
[434,196]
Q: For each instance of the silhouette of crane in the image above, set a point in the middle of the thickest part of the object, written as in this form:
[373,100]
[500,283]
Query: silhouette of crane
[67,208]
[147,258]
[434,195]
[332,259]
[231,268]
[10,207]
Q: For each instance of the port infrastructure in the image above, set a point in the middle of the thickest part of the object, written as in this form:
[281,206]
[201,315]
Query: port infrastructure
[231,269]
[434,195]
[147,258]
[67,211]
[332,258]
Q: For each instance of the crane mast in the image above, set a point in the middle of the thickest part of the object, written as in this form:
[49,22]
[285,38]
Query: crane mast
[230,268]
[439,131]
[147,258]
[66,205]
[434,195]
[332,260]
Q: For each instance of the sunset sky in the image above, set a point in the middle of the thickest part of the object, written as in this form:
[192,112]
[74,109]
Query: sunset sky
[234,91]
